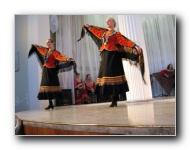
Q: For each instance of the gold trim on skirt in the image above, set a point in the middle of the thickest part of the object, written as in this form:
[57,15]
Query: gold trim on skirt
[111,80]
[50,89]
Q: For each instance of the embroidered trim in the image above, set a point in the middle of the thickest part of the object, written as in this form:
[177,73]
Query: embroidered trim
[39,46]
[111,80]
[105,41]
[50,88]
[46,56]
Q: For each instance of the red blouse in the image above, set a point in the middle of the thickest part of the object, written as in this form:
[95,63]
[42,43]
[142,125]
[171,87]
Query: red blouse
[163,72]
[50,63]
[112,39]
[166,72]
[90,85]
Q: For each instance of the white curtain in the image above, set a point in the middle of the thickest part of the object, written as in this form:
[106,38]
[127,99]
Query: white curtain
[131,27]
[160,39]
[66,44]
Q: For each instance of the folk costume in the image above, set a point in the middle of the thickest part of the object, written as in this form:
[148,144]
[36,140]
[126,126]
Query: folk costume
[111,77]
[81,96]
[89,86]
[168,73]
[50,86]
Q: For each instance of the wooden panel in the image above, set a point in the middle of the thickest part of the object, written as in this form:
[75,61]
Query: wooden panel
[28,130]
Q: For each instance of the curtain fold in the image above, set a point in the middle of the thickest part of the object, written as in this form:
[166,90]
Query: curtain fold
[131,27]
[160,39]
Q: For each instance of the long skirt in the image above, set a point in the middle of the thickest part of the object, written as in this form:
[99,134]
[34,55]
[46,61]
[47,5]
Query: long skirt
[50,86]
[111,77]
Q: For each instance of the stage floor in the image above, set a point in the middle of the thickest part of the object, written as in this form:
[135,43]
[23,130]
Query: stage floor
[151,117]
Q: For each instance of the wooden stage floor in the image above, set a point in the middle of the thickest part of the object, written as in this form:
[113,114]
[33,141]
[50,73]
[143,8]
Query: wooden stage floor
[139,118]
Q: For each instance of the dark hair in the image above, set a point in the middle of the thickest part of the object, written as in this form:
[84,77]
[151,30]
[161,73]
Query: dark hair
[51,41]
[168,67]
[87,76]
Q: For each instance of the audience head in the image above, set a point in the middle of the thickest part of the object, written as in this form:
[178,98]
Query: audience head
[77,75]
[88,77]
[170,67]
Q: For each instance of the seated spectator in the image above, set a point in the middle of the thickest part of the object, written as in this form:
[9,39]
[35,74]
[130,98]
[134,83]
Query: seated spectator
[90,87]
[89,84]
[169,72]
[81,96]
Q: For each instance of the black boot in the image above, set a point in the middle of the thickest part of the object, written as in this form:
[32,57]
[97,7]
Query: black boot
[114,101]
[50,105]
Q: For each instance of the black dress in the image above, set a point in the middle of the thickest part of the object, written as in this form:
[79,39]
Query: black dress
[50,86]
[111,77]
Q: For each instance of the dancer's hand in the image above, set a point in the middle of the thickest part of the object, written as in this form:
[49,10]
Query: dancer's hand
[70,59]
[139,50]
[87,25]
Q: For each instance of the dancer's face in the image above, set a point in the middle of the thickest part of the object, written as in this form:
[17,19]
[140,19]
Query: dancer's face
[49,44]
[110,23]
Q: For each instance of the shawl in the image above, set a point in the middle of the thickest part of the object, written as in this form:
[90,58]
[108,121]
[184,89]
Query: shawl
[135,58]
[60,65]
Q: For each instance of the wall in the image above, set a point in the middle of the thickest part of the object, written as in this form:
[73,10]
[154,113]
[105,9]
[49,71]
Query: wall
[21,75]
[29,29]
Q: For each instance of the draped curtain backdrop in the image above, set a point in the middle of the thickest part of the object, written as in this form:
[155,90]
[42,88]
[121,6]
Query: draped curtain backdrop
[66,37]
[154,33]
[131,27]
[160,39]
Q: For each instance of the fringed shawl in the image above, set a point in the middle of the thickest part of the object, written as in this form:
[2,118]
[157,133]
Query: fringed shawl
[134,57]
[60,65]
